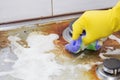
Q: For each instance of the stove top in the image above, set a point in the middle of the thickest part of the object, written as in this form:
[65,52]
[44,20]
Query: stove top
[83,65]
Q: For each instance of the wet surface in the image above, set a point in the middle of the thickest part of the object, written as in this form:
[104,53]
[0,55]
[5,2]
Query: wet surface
[58,28]
[86,57]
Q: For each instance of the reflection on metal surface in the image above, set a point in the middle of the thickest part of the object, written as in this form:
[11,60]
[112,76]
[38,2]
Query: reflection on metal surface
[67,33]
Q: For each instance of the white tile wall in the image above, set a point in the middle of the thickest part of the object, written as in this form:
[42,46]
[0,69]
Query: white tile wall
[68,6]
[11,10]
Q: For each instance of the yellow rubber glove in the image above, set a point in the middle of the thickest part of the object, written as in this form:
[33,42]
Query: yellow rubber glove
[97,24]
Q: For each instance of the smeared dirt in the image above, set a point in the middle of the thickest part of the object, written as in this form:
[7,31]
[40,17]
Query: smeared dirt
[89,56]
[57,28]
[4,42]
[111,43]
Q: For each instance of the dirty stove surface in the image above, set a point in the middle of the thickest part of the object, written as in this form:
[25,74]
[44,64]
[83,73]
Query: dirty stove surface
[38,53]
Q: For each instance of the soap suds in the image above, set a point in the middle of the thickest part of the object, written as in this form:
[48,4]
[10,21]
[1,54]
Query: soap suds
[35,63]
[116,51]
[38,62]
[114,38]
[110,51]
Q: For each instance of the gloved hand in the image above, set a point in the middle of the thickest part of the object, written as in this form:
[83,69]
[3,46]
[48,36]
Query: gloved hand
[97,24]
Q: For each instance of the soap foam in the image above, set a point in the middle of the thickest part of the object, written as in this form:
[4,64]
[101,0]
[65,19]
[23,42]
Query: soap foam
[38,63]
[111,50]
[114,38]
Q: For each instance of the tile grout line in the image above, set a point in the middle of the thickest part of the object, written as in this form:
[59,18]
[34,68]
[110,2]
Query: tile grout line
[52,7]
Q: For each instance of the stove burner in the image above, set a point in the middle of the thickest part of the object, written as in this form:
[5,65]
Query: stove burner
[112,66]
[109,70]
[67,33]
